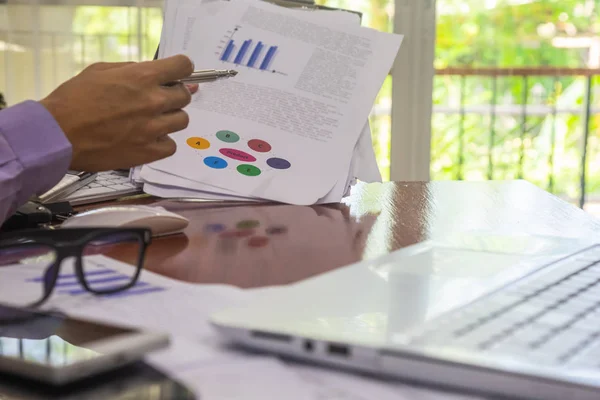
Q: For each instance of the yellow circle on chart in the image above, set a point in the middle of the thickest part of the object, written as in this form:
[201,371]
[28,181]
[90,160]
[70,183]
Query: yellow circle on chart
[198,143]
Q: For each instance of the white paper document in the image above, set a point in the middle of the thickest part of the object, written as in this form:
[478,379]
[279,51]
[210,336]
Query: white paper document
[287,127]
[363,167]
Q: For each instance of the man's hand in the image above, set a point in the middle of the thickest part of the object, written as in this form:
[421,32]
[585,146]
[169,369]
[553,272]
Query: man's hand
[119,115]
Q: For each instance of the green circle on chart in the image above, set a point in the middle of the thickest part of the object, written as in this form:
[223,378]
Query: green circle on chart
[228,136]
[248,170]
[247,224]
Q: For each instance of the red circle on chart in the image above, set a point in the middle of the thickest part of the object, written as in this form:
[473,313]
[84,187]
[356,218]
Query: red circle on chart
[259,145]
[237,234]
[258,241]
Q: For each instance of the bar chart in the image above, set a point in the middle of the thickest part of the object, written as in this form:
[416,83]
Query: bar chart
[254,55]
[249,52]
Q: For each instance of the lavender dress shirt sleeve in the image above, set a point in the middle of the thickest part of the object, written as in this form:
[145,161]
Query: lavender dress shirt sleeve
[34,154]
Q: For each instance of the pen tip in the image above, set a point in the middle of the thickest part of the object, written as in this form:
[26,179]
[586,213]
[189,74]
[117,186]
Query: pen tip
[233,72]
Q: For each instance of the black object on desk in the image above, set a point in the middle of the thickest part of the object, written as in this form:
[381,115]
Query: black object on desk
[29,215]
[138,381]
[33,215]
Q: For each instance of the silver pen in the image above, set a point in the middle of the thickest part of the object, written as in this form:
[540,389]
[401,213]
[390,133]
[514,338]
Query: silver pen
[208,75]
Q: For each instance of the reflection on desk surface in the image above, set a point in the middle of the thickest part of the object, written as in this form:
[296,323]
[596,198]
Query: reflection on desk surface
[273,244]
[240,245]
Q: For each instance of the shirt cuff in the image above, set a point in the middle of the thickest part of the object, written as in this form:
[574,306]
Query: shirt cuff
[39,144]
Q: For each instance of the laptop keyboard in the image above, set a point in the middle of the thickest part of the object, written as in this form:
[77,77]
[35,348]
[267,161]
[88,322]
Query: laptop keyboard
[107,185]
[551,319]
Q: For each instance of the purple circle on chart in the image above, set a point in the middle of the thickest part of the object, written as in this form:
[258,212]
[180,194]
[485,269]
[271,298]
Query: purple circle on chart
[215,228]
[278,163]
[276,230]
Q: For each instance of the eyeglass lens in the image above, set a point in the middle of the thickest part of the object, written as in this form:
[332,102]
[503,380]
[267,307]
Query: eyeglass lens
[122,246]
[25,273]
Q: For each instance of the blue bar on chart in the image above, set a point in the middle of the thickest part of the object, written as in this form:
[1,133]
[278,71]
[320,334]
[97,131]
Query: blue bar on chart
[268,57]
[240,55]
[227,52]
[255,54]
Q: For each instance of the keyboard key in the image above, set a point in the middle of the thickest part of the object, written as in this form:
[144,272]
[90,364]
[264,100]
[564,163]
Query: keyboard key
[586,325]
[562,342]
[560,293]
[542,358]
[120,187]
[554,319]
[588,356]
[92,191]
[527,310]
[525,354]
[591,255]
[486,331]
[575,284]
[591,274]
[530,333]
[513,349]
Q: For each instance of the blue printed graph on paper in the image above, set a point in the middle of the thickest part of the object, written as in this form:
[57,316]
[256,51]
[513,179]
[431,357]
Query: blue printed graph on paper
[250,52]
[260,55]
[105,278]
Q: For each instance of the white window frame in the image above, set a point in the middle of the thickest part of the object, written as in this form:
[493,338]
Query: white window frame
[412,90]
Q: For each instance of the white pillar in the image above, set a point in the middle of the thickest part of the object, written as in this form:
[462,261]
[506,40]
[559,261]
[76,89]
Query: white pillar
[412,80]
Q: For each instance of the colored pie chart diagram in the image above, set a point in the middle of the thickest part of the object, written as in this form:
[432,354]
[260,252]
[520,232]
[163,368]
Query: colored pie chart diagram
[228,136]
[248,170]
[198,143]
[259,146]
[278,163]
[215,162]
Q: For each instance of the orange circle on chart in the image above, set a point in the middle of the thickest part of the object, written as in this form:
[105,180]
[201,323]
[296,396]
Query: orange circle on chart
[198,143]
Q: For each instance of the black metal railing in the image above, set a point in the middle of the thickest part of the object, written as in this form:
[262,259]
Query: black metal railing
[525,85]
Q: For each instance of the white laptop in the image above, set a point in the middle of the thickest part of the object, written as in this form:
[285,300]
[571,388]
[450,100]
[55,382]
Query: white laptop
[512,315]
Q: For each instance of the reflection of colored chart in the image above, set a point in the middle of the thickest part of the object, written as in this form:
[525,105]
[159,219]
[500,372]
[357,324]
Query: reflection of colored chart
[248,230]
[237,149]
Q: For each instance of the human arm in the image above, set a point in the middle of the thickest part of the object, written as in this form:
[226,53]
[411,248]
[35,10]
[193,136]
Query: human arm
[34,154]
[109,116]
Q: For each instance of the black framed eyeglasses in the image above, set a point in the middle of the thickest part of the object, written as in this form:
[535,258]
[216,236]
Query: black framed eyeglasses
[30,262]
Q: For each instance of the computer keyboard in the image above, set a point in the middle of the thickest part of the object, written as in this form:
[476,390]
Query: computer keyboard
[550,318]
[108,185]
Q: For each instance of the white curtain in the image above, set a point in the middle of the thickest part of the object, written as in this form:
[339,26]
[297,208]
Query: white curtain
[44,43]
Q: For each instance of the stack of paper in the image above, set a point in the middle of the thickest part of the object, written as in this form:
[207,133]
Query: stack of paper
[290,127]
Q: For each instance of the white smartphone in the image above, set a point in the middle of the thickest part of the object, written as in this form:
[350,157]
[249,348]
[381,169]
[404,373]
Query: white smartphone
[58,349]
